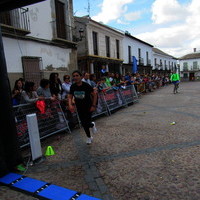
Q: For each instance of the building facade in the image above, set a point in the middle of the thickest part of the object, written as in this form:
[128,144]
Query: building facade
[38,40]
[141,50]
[190,66]
[163,63]
[98,45]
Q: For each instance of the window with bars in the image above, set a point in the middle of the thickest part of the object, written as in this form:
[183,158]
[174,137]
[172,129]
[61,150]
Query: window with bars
[32,69]
[95,42]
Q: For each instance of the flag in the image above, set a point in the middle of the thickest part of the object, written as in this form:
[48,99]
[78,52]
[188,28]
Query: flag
[134,67]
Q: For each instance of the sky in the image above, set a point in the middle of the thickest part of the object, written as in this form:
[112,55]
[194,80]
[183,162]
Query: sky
[172,26]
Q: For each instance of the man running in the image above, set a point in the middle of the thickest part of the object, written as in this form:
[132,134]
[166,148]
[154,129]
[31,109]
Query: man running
[175,79]
[85,100]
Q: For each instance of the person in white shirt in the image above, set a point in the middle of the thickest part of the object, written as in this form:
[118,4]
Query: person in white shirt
[66,86]
[86,78]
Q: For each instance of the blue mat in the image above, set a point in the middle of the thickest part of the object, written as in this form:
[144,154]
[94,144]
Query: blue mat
[55,192]
[41,189]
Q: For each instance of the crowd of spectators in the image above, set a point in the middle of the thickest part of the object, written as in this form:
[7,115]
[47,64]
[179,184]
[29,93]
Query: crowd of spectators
[53,88]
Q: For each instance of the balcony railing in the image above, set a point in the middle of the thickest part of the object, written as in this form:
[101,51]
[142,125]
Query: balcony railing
[185,68]
[141,61]
[195,68]
[148,62]
[15,21]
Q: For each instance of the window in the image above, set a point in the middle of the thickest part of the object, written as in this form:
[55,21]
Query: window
[129,54]
[31,69]
[95,42]
[155,61]
[195,65]
[185,75]
[185,66]
[60,19]
[147,57]
[117,48]
[139,53]
[107,46]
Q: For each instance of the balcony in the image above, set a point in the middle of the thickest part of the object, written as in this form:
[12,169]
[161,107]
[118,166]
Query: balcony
[141,61]
[15,21]
[195,68]
[185,69]
[148,62]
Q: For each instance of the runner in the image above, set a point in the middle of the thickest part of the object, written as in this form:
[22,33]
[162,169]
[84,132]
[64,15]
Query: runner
[85,100]
[175,79]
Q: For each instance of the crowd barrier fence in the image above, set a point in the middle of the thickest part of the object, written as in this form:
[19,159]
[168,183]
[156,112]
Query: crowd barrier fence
[54,116]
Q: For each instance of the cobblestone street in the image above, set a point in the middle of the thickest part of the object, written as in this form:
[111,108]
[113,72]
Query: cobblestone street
[137,154]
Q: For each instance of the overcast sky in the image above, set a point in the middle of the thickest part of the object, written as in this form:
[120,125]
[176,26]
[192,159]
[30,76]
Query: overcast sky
[170,25]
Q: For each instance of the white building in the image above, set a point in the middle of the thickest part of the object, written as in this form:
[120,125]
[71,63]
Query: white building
[190,66]
[163,63]
[38,40]
[98,45]
[142,51]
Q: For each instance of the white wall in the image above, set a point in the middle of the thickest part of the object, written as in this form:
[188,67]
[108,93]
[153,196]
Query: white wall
[101,33]
[190,63]
[135,45]
[163,58]
[41,20]
[51,55]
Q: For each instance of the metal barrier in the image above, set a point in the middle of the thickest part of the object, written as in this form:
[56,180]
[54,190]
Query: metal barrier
[130,94]
[114,99]
[101,106]
[50,122]
[55,116]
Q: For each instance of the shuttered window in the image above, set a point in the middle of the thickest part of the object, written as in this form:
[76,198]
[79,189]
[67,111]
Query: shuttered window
[60,19]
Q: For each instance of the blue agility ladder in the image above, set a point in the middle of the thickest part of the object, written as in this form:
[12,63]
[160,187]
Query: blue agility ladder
[41,189]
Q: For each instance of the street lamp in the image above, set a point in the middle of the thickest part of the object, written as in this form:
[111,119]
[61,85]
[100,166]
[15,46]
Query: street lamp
[80,37]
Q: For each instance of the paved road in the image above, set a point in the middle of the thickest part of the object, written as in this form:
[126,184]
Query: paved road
[137,154]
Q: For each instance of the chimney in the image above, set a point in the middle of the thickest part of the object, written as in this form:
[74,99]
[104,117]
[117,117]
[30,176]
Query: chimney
[195,49]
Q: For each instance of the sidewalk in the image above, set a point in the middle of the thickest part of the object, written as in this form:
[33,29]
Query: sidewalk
[137,154]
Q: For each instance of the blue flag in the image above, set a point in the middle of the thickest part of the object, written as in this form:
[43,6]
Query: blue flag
[134,67]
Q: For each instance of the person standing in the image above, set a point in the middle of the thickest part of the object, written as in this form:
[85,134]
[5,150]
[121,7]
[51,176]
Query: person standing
[175,79]
[85,101]
[66,86]
[16,92]
[86,78]
[55,85]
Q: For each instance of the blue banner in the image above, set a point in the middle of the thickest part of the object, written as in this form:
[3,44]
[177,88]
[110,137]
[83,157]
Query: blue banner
[134,67]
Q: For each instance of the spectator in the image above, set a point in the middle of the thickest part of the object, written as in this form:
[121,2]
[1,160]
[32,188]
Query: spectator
[16,92]
[111,78]
[117,80]
[102,86]
[86,78]
[103,70]
[29,94]
[66,86]
[128,78]
[55,85]
[108,83]
[44,89]
[93,80]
